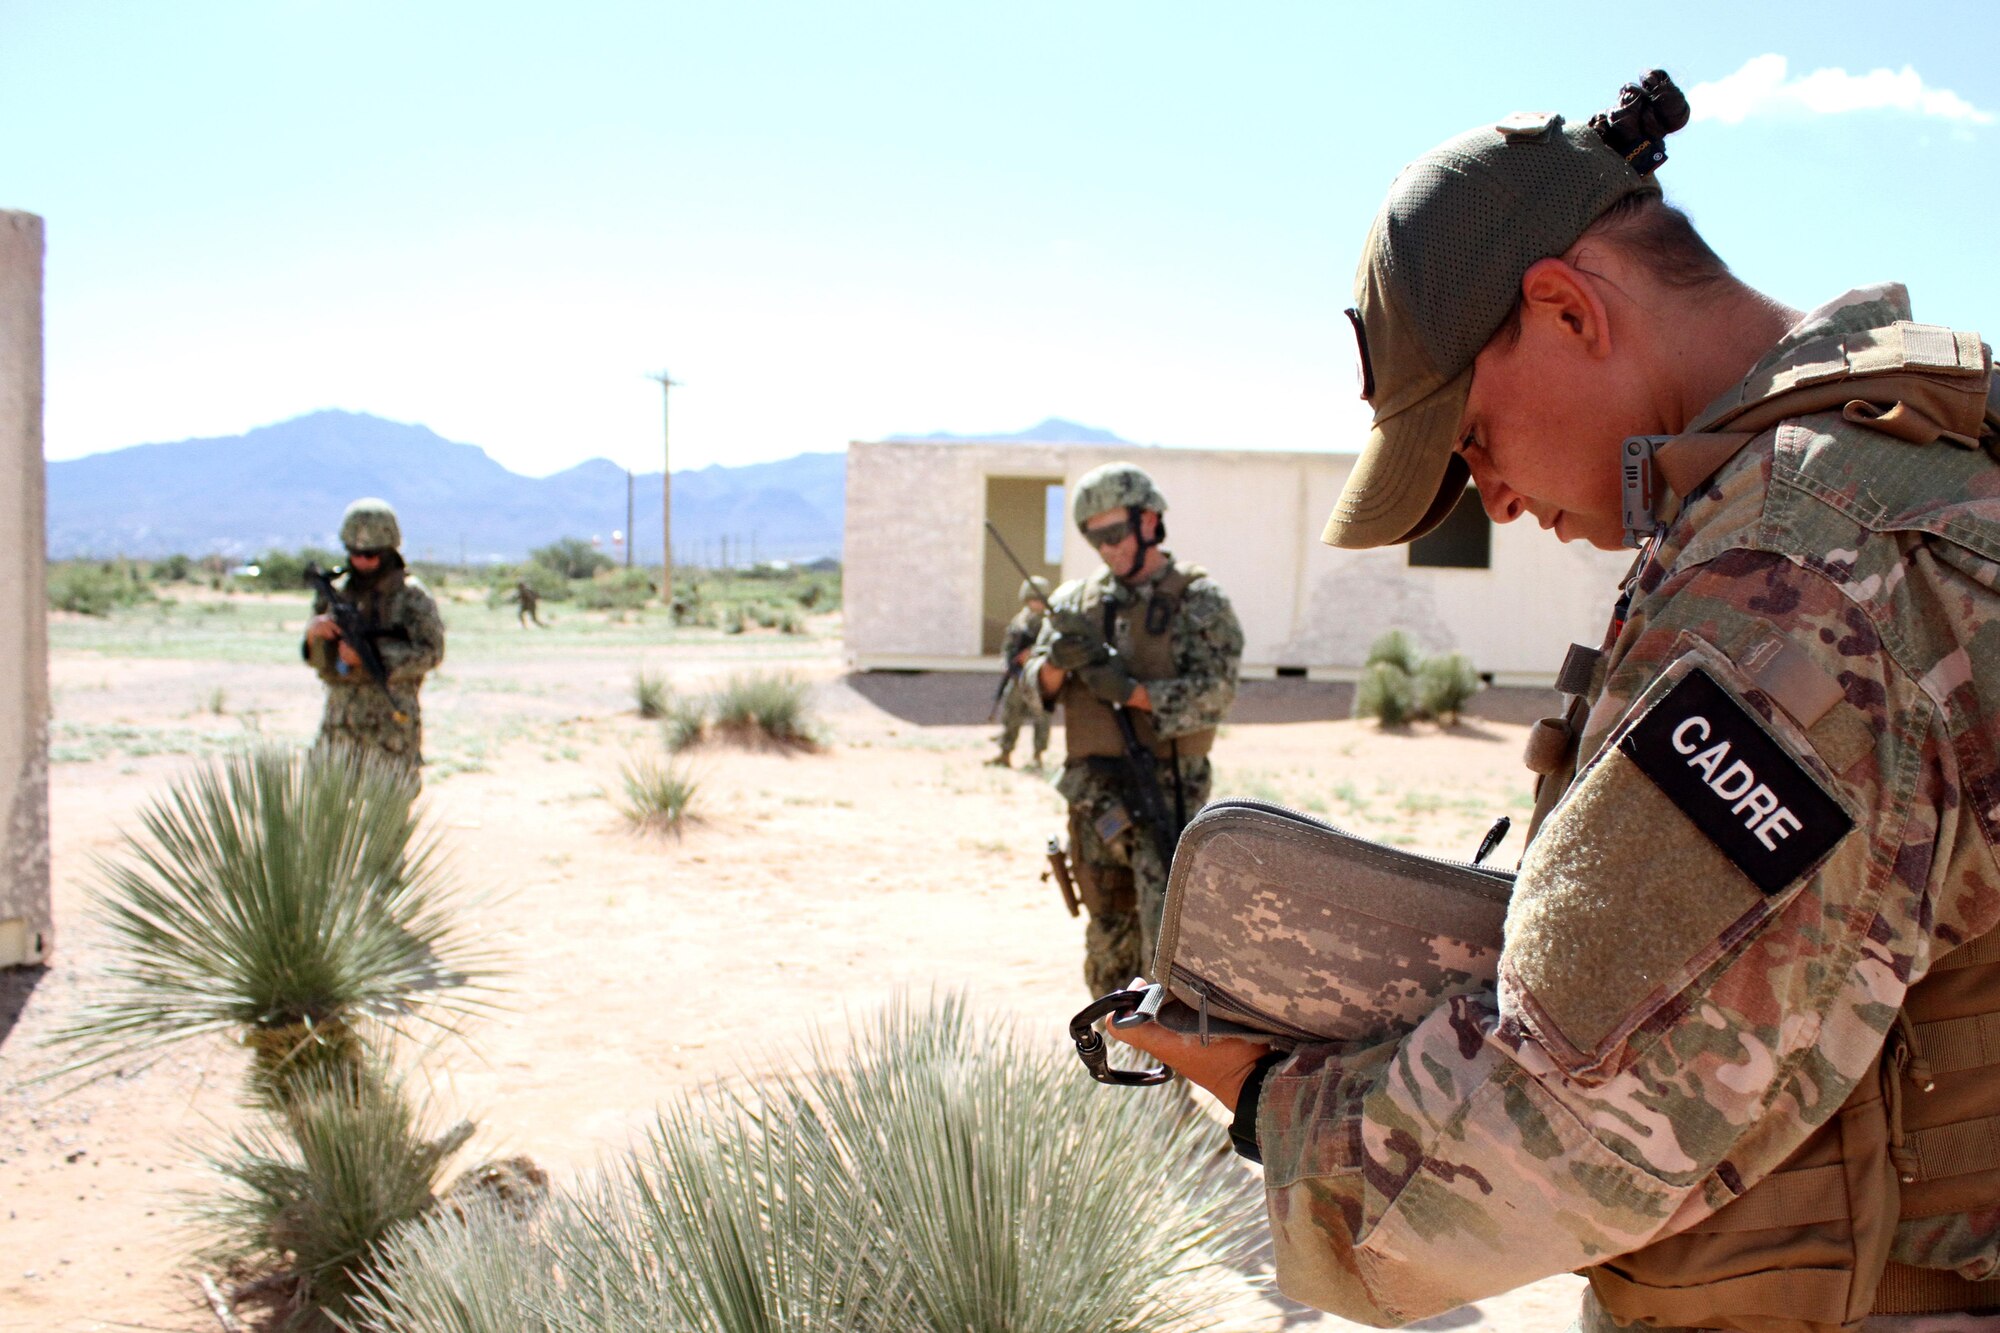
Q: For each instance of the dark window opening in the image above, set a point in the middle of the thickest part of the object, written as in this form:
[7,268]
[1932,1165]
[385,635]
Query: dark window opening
[1463,541]
[1291,673]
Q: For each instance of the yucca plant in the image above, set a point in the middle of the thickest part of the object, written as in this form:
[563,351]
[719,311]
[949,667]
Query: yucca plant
[1386,693]
[291,899]
[312,1188]
[1395,647]
[657,794]
[1444,685]
[650,694]
[945,1175]
[773,706]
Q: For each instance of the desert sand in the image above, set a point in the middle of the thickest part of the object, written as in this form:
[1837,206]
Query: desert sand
[811,887]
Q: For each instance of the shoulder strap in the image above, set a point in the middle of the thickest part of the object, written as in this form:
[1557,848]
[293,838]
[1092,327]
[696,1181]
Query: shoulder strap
[1919,383]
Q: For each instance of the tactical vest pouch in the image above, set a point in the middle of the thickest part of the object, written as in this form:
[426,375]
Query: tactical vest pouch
[1283,928]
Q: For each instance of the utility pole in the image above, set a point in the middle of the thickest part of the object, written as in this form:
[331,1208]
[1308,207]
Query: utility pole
[629,542]
[667,385]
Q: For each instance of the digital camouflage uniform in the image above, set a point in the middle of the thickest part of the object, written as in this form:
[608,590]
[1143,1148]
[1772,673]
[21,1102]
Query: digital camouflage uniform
[1674,1017]
[408,633]
[1207,646]
[1017,704]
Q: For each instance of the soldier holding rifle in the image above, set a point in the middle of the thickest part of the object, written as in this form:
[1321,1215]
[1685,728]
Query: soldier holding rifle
[1142,656]
[1736,1067]
[374,669]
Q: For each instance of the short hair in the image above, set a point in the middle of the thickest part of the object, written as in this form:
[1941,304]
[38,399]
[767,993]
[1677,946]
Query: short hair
[1658,235]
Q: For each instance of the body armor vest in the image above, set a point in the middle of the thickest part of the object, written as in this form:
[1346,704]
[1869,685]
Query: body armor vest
[1089,729]
[1806,1249]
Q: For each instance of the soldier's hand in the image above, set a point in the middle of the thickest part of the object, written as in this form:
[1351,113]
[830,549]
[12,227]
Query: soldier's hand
[348,655]
[1220,1067]
[1108,679]
[1077,647]
[322,627]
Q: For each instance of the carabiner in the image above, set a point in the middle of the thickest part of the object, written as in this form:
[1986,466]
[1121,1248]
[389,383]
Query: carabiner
[1090,1046]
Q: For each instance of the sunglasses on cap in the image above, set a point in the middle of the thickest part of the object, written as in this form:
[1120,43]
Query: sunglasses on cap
[1108,535]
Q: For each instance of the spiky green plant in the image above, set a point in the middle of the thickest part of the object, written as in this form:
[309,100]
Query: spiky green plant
[944,1175]
[657,794]
[650,693]
[685,724]
[311,1189]
[774,706]
[1386,693]
[292,899]
[1395,647]
[1444,686]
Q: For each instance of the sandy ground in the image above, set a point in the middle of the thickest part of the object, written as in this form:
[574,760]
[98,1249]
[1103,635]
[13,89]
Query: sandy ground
[812,887]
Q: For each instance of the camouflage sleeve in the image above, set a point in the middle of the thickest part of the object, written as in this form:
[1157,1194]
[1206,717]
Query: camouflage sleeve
[1207,649]
[1664,1031]
[421,645]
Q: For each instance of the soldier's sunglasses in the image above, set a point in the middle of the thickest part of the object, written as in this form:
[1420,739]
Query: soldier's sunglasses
[1108,535]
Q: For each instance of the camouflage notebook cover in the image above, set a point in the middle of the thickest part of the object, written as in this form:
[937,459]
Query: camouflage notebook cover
[1285,929]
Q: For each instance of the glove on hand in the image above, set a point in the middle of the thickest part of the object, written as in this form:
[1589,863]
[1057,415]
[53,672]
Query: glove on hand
[1108,679]
[1076,643]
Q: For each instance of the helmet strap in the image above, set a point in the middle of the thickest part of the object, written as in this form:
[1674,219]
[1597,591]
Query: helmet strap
[1140,546]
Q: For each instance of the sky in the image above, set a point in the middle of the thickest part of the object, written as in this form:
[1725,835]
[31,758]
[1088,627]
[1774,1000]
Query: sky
[834,221]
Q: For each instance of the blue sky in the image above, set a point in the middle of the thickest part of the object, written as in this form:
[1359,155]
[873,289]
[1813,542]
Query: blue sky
[838,221]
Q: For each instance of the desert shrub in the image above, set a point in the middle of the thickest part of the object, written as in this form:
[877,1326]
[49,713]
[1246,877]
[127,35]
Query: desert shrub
[292,899]
[791,622]
[774,706]
[1396,648]
[626,590]
[285,571]
[729,619]
[570,557]
[658,794]
[650,694]
[96,589]
[938,1173]
[311,1189]
[1444,685]
[1385,693]
[686,722]
[173,569]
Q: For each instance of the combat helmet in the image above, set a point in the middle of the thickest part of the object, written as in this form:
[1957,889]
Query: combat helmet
[370,525]
[1115,486]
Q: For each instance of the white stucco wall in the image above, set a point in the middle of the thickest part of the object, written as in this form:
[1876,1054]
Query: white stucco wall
[1252,518]
[25,924]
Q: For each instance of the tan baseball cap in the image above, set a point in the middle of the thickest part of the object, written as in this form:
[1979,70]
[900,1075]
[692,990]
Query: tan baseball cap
[1439,275]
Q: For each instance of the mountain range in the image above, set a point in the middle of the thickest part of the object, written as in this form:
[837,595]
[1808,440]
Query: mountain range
[284,486]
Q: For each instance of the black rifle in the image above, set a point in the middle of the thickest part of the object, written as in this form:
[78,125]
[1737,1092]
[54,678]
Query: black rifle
[355,633]
[1142,767]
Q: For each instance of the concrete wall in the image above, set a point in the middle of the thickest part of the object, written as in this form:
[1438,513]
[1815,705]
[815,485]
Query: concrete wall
[25,925]
[1252,518]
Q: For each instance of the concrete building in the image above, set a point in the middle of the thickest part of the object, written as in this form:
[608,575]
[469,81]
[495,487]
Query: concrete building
[25,925]
[926,588]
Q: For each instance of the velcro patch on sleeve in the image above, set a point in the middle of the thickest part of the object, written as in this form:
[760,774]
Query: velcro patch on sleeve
[1758,805]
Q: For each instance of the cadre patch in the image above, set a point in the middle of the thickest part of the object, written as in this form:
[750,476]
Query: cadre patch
[1758,805]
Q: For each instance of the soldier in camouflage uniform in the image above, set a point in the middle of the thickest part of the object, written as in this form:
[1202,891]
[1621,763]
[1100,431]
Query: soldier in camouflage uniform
[406,631]
[1158,638]
[1017,704]
[529,601]
[1738,1064]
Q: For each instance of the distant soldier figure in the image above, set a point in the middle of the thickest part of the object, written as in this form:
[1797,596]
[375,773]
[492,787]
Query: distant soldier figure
[1158,639]
[1017,704]
[403,624]
[529,600]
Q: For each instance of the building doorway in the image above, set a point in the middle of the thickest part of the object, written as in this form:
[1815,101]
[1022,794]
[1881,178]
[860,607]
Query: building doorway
[1020,507]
